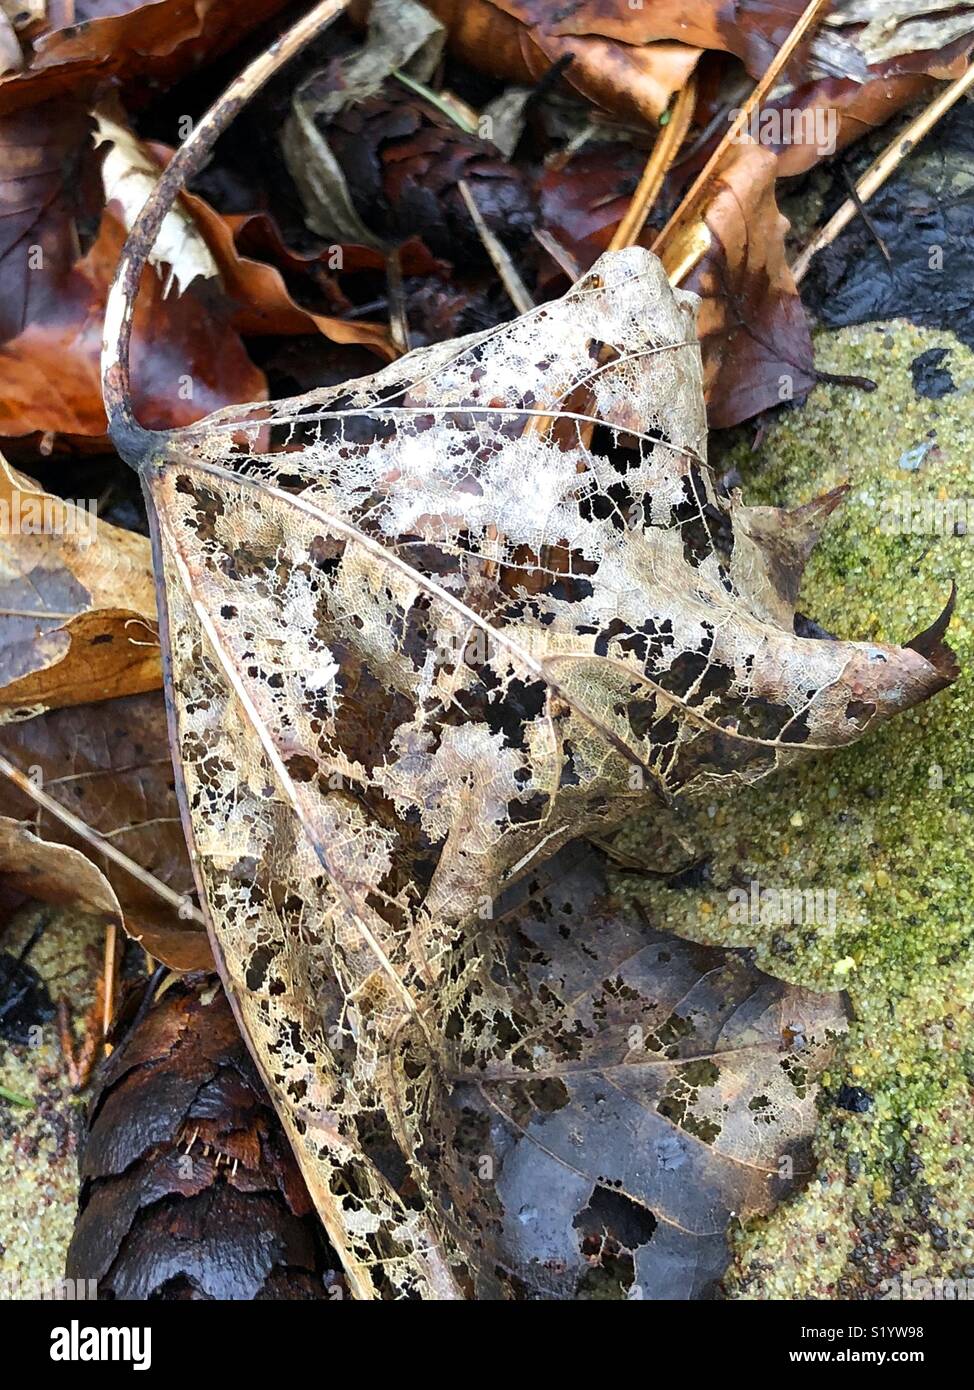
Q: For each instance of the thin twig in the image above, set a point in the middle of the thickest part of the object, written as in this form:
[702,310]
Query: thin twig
[398,318]
[99,843]
[561,255]
[66,1038]
[93,1041]
[863,212]
[516,290]
[111,978]
[690,205]
[15,1098]
[882,167]
[663,153]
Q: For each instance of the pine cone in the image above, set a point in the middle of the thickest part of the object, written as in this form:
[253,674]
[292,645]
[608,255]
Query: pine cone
[402,162]
[189,1187]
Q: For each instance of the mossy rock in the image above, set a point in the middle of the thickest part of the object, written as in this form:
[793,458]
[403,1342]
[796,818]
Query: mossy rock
[40,1116]
[879,834]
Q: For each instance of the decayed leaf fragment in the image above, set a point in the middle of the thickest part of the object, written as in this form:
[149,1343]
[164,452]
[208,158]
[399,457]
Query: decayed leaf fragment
[129,175]
[482,603]
[645,1096]
[77,603]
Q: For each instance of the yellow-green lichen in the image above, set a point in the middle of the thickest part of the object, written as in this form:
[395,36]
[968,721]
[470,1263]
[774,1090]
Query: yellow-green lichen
[38,1141]
[880,834]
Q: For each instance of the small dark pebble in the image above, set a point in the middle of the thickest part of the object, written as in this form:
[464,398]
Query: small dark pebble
[854,1098]
[939,1238]
[930,377]
[24,1000]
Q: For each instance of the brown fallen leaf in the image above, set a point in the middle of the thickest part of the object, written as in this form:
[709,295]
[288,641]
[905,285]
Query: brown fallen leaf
[844,112]
[48,185]
[158,40]
[842,45]
[191,357]
[110,765]
[188,356]
[752,30]
[196,241]
[53,873]
[77,604]
[853,75]
[189,1189]
[486,602]
[754,335]
[621,1098]
[262,299]
[522,41]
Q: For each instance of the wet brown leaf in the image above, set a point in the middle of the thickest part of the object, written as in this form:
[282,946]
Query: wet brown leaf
[53,873]
[187,359]
[159,40]
[110,765]
[754,336]
[522,41]
[48,184]
[77,604]
[263,303]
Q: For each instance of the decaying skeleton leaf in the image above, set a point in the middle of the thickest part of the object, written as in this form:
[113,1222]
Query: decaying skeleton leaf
[424,629]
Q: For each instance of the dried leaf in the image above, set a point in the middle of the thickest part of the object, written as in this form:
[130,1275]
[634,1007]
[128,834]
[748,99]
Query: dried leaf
[129,175]
[643,1097]
[755,339]
[840,111]
[77,604]
[521,41]
[189,1189]
[484,602]
[188,358]
[752,30]
[263,302]
[895,28]
[157,40]
[635,40]
[110,765]
[376,167]
[53,873]
[400,163]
